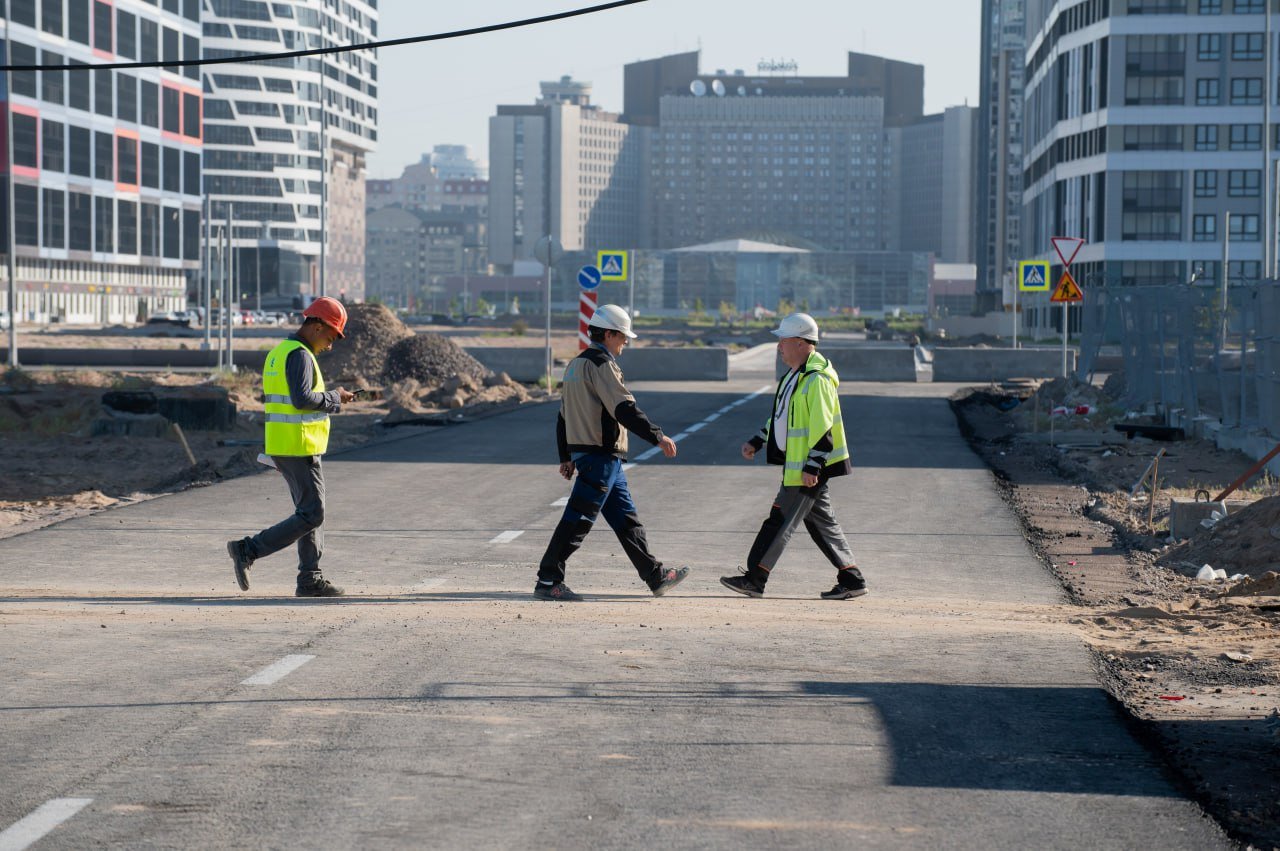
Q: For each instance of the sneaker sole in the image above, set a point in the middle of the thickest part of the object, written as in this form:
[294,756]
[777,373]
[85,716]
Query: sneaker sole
[743,591]
[242,578]
[847,595]
[667,586]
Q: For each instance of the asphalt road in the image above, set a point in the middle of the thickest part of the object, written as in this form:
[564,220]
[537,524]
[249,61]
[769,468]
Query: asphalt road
[146,702]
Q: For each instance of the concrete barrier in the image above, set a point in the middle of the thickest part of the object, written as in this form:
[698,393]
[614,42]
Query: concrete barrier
[638,364]
[965,364]
[871,363]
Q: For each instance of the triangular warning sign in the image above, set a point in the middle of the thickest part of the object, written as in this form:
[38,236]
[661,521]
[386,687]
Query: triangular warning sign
[1068,290]
[1033,278]
[612,265]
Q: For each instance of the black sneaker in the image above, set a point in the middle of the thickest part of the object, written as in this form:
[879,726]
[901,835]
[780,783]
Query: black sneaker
[558,592]
[242,562]
[319,587]
[743,584]
[671,577]
[841,592]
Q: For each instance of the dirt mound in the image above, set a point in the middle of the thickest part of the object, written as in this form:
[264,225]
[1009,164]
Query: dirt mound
[1246,542]
[430,359]
[1266,585]
[1072,404]
[372,329]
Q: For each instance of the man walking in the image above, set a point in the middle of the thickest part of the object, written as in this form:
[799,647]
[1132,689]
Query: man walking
[596,410]
[805,434]
[297,434]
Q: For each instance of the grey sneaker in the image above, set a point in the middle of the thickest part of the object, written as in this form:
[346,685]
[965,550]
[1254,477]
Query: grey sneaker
[241,560]
[743,584]
[558,592]
[318,587]
[841,592]
[671,577]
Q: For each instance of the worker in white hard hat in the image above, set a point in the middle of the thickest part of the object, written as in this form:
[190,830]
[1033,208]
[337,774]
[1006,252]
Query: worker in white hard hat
[804,434]
[596,411]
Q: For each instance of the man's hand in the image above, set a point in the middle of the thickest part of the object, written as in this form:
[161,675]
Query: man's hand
[748,451]
[345,396]
[809,479]
[668,446]
[566,470]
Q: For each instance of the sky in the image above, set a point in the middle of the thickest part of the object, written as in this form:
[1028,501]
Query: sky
[444,92]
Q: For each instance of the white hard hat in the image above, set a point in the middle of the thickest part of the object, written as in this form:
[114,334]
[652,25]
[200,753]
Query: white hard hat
[800,325]
[612,318]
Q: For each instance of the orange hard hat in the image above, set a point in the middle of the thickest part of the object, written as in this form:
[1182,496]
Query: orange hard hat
[329,311]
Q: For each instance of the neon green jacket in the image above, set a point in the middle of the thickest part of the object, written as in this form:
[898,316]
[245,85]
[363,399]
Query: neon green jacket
[815,426]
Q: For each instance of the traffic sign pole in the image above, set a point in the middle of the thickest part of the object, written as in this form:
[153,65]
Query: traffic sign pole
[1068,291]
[587,301]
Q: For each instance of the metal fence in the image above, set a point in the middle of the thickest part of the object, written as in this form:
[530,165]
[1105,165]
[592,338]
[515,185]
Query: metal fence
[1186,355]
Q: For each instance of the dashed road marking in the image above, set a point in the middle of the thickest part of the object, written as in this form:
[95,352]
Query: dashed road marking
[277,671]
[561,502]
[32,828]
[508,536]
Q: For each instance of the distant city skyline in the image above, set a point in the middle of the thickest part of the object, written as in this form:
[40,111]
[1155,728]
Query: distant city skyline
[445,92]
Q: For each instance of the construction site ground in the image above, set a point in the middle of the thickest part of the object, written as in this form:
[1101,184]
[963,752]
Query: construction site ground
[1195,663]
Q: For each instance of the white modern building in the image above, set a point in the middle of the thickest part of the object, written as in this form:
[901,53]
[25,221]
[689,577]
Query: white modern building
[1147,125]
[106,164]
[286,142]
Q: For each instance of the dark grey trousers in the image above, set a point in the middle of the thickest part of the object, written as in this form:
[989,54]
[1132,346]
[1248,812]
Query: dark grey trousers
[306,486]
[812,507]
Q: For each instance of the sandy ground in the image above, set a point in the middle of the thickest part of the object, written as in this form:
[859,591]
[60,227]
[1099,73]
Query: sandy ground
[1196,664]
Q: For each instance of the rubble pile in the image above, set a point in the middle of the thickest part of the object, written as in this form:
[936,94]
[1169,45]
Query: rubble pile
[1073,404]
[429,359]
[1245,542]
[372,330]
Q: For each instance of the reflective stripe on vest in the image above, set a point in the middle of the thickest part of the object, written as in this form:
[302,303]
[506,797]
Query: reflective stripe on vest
[291,431]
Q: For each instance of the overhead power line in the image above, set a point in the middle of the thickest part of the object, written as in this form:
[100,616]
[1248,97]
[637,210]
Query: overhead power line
[325,51]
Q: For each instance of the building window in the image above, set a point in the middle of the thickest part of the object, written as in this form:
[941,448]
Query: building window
[102,100]
[171,49]
[127,160]
[1246,91]
[53,85]
[172,232]
[52,146]
[1154,91]
[149,38]
[78,20]
[151,165]
[102,26]
[1157,7]
[80,216]
[104,153]
[26,140]
[1244,228]
[104,228]
[127,226]
[1206,184]
[1248,7]
[80,151]
[190,173]
[171,110]
[190,115]
[150,103]
[1206,137]
[127,98]
[191,234]
[1153,137]
[171,170]
[26,203]
[1246,137]
[1209,47]
[24,82]
[1204,228]
[1208,92]
[1246,46]
[51,16]
[126,34]
[190,51]
[1211,7]
[79,85]
[1244,183]
[53,222]
[149,233]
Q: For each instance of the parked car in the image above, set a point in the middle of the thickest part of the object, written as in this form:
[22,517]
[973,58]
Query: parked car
[173,317]
[4,319]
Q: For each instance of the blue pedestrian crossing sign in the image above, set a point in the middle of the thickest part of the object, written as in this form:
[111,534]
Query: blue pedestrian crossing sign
[612,265]
[1033,276]
[588,277]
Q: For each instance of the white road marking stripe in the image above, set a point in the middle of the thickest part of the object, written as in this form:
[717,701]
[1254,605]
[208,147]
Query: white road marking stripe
[628,466]
[508,536]
[428,584]
[713,417]
[277,671]
[648,453]
[30,829]
[561,502]
[695,427]
[681,436]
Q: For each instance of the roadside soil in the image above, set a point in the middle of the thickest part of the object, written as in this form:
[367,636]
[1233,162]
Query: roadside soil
[1194,664]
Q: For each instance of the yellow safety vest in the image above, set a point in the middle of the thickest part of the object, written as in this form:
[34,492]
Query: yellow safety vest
[292,431]
[813,411]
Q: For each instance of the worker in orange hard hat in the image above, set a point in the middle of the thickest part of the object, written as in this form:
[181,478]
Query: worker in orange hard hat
[297,434]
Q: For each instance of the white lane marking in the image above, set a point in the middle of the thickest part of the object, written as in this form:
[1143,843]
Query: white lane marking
[428,584]
[508,536]
[713,417]
[628,466]
[648,453]
[561,502]
[681,436]
[277,671]
[30,829]
[696,427]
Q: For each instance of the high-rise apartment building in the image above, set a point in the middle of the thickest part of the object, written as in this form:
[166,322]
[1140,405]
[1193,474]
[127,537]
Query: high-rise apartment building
[286,142]
[1000,147]
[107,163]
[449,176]
[937,182]
[1147,124]
[563,167]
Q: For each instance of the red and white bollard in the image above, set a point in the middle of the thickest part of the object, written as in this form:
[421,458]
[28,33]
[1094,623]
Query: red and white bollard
[587,300]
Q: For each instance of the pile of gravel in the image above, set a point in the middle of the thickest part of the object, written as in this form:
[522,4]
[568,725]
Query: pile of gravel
[359,358]
[429,359]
